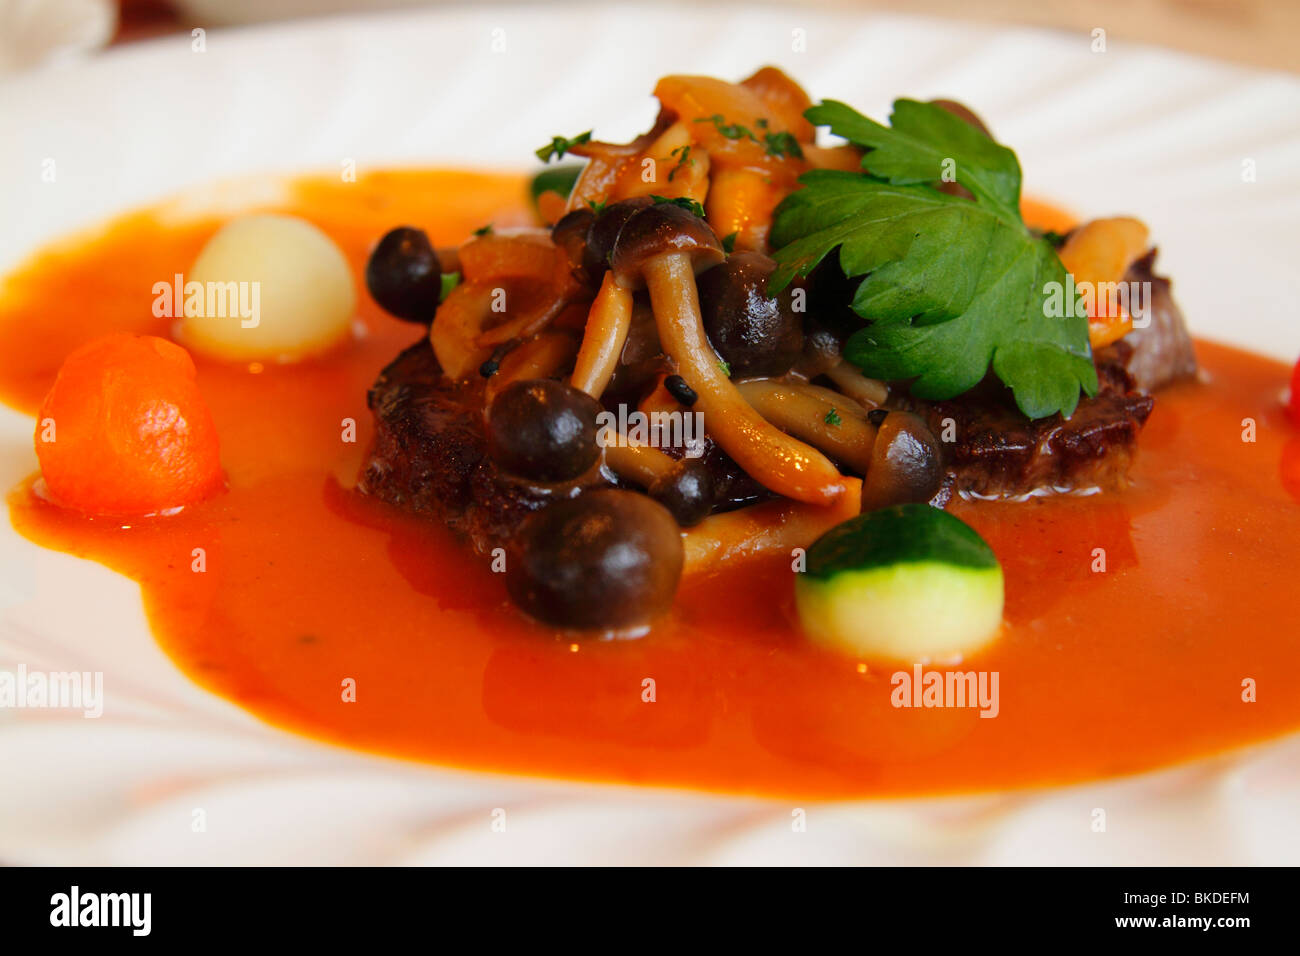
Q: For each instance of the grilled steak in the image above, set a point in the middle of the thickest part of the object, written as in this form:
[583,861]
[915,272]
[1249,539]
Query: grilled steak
[1161,353]
[429,456]
[994,451]
[429,452]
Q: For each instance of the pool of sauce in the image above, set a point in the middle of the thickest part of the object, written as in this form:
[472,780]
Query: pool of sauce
[309,584]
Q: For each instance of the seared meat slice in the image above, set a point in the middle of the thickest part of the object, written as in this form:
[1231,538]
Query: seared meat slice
[994,451]
[1162,352]
[426,443]
[429,454]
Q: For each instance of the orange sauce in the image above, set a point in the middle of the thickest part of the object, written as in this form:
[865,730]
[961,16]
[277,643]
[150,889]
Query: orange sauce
[308,584]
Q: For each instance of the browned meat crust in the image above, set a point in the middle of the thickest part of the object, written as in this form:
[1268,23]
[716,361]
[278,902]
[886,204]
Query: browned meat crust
[429,454]
[1162,352]
[994,451]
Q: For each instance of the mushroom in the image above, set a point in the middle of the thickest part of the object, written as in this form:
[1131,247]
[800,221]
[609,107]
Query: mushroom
[770,528]
[543,430]
[684,486]
[866,391]
[607,559]
[570,234]
[906,462]
[528,271]
[756,335]
[603,233]
[546,354]
[602,342]
[404,275]
[611,312]
[662,247]
[837,426]
[895,451]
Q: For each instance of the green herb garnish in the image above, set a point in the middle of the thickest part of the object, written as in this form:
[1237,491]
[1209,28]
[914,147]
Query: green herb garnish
[833,418]
[686,202]
[559,145]
[725,366]
[729,243]
[682,160]
[729,130]
[449,281]
[484,230]
[951,286]
[780,145]
[597,206]
[556,179]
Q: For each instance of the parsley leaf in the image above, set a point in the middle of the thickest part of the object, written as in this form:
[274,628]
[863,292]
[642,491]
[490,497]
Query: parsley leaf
[952,287]
[560,145]
[555,179]
[729,243]
[484,230]
[833,418]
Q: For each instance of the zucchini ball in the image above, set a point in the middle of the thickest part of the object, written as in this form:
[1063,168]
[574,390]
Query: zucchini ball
[287,291]
[907,584]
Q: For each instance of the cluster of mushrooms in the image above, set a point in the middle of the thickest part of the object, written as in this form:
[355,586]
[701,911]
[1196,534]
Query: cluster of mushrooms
[654,289]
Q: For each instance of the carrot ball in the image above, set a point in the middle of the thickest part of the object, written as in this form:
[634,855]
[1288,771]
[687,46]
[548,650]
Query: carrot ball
[125,430]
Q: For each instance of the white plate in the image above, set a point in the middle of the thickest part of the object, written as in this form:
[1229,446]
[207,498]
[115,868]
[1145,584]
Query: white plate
[1133,129]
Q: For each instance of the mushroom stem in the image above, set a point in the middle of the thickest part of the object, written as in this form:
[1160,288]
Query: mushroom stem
[773,527]
[530,323]
[639,464]
[869,391]
[781,463]
[844,435]
[540,357]
[841,401]
[602,342]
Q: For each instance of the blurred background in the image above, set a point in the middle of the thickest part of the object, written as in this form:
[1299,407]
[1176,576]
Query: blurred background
[1261,33]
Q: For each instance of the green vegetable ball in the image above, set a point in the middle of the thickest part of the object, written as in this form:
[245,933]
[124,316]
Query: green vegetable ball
[910,583]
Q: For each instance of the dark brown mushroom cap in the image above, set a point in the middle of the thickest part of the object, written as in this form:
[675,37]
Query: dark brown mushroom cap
[543,430]
[755,335]
[606,559]
[661,229]
[570,234]
[906,463]
[602,234]
[686,491]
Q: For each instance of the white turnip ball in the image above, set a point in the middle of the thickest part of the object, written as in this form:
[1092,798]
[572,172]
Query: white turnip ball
[292,294]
